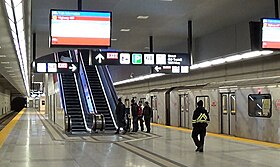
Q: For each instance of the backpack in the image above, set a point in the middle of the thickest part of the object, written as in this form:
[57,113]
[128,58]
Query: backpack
[139,111]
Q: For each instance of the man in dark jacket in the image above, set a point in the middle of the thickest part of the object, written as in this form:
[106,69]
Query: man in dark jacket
[134,111]
[147,111]
[200,122]
[120,112]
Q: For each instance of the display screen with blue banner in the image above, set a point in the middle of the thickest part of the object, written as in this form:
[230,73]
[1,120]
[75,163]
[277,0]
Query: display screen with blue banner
[80,28]
[270,33]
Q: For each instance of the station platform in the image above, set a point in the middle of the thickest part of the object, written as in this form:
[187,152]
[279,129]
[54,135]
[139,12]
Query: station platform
[29,140]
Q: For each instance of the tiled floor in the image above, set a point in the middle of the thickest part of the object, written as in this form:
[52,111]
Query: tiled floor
[30,145]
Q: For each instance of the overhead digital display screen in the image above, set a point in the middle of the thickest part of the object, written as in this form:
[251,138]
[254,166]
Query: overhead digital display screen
[270,33]
[80,28]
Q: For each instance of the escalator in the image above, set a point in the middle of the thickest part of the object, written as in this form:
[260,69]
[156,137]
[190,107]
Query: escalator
[97,89]
[72,103]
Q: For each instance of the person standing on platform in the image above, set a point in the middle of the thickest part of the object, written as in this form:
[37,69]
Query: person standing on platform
[200,122]
[134,112]
[140,115]
[120,112]
[147,111]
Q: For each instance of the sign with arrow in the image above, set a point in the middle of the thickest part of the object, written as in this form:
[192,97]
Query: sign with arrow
[138,58]
[99,58]
[55,67]
[171,69]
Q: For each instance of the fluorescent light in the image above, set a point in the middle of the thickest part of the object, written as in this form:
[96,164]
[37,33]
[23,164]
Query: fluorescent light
[205,64]
[125,29]
[147,47]
[166,0]
[19,12]
[218,61]
[142,17]
[5,62]
[20,26]
[233,58]
[12,74]
[8,2]
[194,66]
[3,56]
[266,52]
[251,54]
[114,39]
[13,26]
[8,67]
[140,78]
[16,2]
[9,11]
[10,71]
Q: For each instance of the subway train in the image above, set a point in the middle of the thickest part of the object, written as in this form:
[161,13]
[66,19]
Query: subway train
[242,98]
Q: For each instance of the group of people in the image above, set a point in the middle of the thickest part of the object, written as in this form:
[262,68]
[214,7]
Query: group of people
[200,120]
[138,114]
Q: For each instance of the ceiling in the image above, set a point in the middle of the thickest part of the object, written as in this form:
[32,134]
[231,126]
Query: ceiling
[10,75]
[167,19]
[167,23]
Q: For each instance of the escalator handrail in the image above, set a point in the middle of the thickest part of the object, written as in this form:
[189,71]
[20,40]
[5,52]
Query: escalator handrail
[79,96]
[107,101]
[108,89]
[61,88]
[87,81]
[111,84]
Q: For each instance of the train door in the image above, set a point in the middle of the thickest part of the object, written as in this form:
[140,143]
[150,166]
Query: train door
[184,111]
[154,108]
[228,119]
[31,103]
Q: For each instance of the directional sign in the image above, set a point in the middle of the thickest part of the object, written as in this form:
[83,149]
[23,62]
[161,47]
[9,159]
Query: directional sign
[171,69]
[138,58]
[56,67]
[99,58]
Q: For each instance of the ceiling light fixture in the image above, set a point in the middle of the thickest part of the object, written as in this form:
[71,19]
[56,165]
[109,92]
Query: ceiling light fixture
[114,39]
[3,56]
[142,17]
[15,12]
[5,62]
[10,71]
[125,30]
[166,0]
[8,67]
[140,78]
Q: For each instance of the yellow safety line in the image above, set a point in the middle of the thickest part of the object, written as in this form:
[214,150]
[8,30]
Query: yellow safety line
[262,143]
[8,128]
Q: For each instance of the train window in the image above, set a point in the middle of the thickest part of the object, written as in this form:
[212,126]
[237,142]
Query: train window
[224,104]
[232,105]
[206,102]
[259,105]
[154,102]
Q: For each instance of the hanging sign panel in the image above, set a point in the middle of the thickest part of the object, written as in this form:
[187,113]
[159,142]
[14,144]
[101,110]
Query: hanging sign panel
[139,58]
[171,69]
[55,67]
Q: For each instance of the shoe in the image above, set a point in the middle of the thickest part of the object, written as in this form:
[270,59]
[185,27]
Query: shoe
[124,133]
[197,149]
[148,132]
[117,132]
[200,149]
